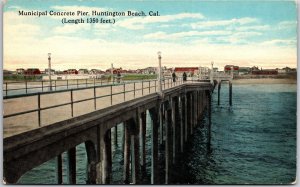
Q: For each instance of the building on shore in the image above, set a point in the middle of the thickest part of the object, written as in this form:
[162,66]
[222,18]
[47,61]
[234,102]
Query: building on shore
[190,71]
[114,70]
[265,72]
[71,71]
[7,72]
[149,70]
[32,71]
[204,70]
[96,72]
[20,71]
[244,70]
[83,71]
[52,71]
[229,68]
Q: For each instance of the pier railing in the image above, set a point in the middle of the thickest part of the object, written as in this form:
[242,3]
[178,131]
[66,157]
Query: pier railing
[25,87]
[28,87]
[35,110]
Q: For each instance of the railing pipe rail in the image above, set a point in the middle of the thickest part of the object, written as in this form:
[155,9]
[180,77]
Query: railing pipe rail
[71,102]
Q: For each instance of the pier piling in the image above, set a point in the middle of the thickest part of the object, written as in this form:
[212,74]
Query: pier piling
[143,141]
[219,90]
[230,93]
[154,113]
[167,145]
[59,169]
[185,101]
[135,158]
[126,153]
[107,158]
[173,132]
[71,157]
[181,116]
[116,136]
[209,122]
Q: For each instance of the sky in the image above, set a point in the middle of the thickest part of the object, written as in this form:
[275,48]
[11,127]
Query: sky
[188,33]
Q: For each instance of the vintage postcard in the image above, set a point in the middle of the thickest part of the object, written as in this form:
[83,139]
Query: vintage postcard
[149,92]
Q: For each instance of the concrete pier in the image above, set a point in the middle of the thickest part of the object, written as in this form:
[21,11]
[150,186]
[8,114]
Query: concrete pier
[173,119]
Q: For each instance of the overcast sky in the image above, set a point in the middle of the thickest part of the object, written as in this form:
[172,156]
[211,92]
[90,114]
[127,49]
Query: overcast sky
[188,33]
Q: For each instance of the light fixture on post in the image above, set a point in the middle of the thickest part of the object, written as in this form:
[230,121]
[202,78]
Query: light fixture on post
[49,70]
[211,73]
[159,73]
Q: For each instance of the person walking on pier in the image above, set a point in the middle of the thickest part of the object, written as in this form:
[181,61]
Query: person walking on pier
[184,76]
[174,76]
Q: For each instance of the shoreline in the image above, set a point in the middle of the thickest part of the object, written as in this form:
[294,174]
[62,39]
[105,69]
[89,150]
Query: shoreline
[264,81]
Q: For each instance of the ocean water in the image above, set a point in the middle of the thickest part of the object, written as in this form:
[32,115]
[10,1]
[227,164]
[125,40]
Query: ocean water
[254,142]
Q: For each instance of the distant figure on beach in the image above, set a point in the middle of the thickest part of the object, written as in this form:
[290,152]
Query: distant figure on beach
[184,76]
[118,77]
[174,76]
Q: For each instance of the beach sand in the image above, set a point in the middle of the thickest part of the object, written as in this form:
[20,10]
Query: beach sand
[264,81]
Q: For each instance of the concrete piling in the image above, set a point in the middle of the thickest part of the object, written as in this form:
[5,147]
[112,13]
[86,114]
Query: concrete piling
[181,116]
[116,136]
[59,169]
[209,122]
[71,165]
[143,140]
[154,113]
[167,146]
[230,93]
[185,111]
[161,124]
[173,132]
[135,166]
[219,90]
[126,153]
[107,158]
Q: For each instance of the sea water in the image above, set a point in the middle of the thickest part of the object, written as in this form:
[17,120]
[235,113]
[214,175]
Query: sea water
[254,142]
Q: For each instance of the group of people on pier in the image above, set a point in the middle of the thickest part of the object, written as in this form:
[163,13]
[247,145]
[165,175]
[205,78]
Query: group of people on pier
[184,76]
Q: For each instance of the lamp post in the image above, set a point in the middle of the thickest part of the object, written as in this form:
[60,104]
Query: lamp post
[49,70]
[159,73]
[112,73]
[211,73]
